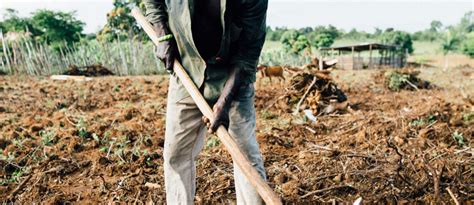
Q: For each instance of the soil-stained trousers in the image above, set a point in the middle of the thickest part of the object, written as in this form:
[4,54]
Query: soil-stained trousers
[184,139]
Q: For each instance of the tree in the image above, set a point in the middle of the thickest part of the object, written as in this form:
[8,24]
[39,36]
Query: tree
[377,32]
[468,45]
[356,35]
[467,22]
[450,43]
[402,40]
[323,40]
[294,42]
[435,26]
[57,27]
[12,22]
[329,30]
[120,24]
[305,30]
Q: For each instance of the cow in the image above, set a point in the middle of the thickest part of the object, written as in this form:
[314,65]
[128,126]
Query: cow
[271,71]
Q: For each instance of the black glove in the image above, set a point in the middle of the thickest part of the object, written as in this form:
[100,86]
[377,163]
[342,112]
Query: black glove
[166,51]
[222,106]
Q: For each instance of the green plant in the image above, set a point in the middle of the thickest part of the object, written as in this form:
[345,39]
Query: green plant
[423,121]
[268,115]
[294,42]
[418,122]
[323,40]
[120,23]
[96,138]
[459,138]
[81,127]
[396,80]
[13,178]
[213,141]
[402,40]
[468,117]
[47,137]
[18,143]
[9,158]
[119,148]
[450,42]
[467,46]
[57,27]
[104,149]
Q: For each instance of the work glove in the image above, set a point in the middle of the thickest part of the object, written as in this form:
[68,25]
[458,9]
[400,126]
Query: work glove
[166,51]
[222,106]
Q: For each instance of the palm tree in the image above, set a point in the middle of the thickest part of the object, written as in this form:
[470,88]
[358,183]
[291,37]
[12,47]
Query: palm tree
[450,43]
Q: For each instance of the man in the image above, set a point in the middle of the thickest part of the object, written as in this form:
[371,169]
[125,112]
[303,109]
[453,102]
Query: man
[219,43]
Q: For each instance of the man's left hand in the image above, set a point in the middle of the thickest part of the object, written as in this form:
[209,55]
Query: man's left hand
[222,106]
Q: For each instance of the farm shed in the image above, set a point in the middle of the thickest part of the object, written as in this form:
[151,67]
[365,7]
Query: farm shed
[349,57]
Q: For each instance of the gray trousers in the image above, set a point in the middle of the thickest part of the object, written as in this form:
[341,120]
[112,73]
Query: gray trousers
[184,139]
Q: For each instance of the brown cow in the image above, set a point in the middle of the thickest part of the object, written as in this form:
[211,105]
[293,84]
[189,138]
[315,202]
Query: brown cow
[271,71]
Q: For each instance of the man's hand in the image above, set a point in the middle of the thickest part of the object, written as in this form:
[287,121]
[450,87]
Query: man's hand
[222,106]
[166,51]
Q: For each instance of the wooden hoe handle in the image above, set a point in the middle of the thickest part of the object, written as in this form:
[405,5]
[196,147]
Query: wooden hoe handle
[238,156]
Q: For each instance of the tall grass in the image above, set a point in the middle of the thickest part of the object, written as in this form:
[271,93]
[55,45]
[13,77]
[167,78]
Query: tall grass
[128,57]
[280,57]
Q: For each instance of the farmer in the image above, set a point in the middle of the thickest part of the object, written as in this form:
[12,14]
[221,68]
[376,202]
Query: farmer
[219,43]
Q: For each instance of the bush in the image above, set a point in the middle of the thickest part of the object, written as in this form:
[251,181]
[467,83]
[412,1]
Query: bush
[323,40]
[294,42]
[468,45]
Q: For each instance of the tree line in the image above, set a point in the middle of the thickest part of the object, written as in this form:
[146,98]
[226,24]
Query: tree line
[459,37]
[58,28]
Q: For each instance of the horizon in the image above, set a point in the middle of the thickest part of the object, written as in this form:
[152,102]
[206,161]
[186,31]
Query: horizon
[355,14]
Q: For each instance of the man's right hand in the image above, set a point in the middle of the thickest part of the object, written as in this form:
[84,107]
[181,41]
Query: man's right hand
[166,51]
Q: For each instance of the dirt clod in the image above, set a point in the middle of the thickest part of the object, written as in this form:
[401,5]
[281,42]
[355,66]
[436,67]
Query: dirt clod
[89,70]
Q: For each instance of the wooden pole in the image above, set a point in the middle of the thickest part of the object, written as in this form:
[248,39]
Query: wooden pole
[370,56]
[353,57]
[392,59]
[320,66]
[267,193]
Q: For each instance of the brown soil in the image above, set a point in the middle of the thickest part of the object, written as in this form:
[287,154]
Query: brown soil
[102,141]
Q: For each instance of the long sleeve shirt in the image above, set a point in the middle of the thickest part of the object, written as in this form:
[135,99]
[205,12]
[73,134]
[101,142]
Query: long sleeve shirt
[243,25]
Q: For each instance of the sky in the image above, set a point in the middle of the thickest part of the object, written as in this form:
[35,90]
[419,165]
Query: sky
[366,15]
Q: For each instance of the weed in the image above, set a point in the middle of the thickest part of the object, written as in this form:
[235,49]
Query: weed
[18,143]
[47,137]
[459,138]
[116,88]
[106,136]
[267,115]
[96,138]
[396,80]
[14,178]
[104,149]
[213,141]
[81,127]
[468,117]
[423,121]
[9,158]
